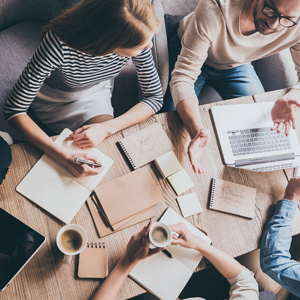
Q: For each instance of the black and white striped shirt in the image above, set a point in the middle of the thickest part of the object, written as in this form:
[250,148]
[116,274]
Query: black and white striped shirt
[66,69]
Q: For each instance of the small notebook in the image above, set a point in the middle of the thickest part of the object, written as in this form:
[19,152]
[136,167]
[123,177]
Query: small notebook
[232,198]
[166,277]
[180,181]
[93,261]
[167,164]
[145,145]
[51,186]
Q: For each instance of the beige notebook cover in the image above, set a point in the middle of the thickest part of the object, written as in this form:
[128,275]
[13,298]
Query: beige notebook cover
[93,261]
[167,164]
[102,227]
[54,188]
[145,145]
[128,195]
[232,198]
[166,277]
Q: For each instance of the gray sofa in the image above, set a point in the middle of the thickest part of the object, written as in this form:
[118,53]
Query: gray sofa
[21,23]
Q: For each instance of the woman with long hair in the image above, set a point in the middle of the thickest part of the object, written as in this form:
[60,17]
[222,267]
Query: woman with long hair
[68,81]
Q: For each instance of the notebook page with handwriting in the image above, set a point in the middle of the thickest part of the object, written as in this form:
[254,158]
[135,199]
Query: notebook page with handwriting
[55,189]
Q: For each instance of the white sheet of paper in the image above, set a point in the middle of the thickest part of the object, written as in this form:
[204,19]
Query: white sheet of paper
[54,188]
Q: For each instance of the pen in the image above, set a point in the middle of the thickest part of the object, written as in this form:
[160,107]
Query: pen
[88,162]
[167,253]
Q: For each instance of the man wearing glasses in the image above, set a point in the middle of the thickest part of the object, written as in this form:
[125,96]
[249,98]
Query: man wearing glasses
[218,42]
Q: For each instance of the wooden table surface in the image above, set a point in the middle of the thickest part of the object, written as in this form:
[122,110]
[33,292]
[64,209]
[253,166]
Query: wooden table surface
[46,277]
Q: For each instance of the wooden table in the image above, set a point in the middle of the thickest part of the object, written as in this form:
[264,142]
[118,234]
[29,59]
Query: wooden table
[46,277]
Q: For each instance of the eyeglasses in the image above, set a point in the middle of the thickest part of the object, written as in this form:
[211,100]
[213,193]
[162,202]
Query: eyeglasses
[283,21]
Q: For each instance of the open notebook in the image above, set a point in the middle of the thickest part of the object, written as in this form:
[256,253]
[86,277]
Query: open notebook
[166,277]
[54,188]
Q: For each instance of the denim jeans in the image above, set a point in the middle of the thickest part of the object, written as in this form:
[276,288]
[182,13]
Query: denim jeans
[230,83]
[275,257]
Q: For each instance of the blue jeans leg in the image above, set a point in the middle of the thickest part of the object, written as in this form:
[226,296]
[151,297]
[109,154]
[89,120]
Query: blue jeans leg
[237,82]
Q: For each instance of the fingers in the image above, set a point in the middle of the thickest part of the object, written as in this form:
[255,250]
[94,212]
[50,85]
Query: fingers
[287,128]
[154,251]
[93,158]
[294,102]
[275,126]
[280,126]
[180,228]
[75,133]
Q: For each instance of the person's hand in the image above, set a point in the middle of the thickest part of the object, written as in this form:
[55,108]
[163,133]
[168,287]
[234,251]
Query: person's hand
[89,136]
[196,148]
[292,191]
[138,247]
[81,170]
[185,238]
[283,114]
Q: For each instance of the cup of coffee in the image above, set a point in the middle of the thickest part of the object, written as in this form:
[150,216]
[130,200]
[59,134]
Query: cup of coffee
[71,240]
[160,235]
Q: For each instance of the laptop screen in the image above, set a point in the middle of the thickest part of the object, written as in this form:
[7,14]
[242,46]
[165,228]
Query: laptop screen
[18,243]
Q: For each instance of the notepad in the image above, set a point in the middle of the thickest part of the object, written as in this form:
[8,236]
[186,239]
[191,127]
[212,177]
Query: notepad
[128,195]
[189,204]
[180,181]
[145,145]
[93,261]
[167,164]
[232,198]
[54,188]
[166,277]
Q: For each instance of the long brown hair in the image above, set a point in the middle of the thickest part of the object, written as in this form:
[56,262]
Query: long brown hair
[98,27]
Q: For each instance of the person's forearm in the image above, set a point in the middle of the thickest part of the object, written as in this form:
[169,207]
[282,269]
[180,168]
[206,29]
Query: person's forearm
[222,261]
[138,113]
[36,136]
[109,289]
[275,257]
[188,111]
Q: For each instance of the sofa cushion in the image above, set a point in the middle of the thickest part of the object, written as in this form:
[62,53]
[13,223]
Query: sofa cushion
[18,44]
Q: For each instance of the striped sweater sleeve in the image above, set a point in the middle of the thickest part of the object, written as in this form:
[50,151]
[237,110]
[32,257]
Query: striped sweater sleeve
[149,80]
[47,58]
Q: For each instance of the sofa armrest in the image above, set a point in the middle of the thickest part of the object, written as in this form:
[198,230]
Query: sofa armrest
[276,71]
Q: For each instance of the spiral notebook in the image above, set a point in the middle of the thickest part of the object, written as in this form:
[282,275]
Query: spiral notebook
[145,145]
[93,261]
[232,198]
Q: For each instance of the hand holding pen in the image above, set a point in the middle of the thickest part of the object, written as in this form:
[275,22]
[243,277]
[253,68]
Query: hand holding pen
[82,164]
[88,162]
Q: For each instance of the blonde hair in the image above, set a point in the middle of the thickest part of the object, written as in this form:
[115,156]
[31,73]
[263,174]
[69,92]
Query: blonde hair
[98,27]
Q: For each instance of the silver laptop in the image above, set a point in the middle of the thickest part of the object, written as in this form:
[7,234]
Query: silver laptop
[246,139]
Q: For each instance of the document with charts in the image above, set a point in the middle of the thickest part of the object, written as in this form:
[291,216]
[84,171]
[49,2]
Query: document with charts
[51,186]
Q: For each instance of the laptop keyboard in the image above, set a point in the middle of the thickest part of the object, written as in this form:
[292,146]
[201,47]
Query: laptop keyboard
[257,140]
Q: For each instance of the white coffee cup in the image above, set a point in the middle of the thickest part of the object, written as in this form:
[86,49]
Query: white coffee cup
[71,240]
[160,235]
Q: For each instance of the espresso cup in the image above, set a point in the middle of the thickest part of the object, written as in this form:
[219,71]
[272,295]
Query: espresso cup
[160,235]
[71,240]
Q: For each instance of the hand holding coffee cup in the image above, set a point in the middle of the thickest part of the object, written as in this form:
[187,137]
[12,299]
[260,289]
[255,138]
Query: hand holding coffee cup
[160,235]
[71,240]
